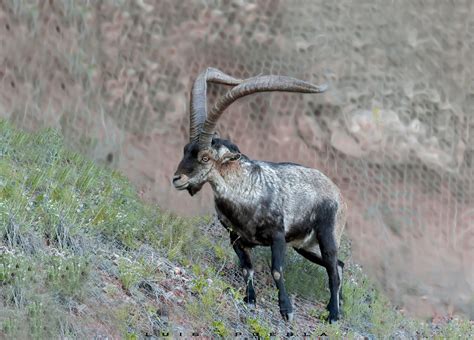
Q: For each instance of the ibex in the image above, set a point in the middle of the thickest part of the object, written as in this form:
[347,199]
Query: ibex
[263,203]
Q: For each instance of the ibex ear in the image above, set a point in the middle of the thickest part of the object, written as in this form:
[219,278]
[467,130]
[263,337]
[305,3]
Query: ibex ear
[229,157]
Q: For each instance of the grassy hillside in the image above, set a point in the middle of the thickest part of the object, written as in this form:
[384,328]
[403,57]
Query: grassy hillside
[82,256]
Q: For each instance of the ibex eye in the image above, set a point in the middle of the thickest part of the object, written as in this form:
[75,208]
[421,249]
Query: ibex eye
[205,159]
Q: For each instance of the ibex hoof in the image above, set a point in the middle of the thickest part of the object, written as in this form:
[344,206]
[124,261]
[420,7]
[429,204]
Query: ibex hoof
[250,300]
[333,318]
[287,316]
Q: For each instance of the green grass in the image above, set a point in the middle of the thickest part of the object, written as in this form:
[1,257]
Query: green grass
[259,328]
[59,212]
[81,253]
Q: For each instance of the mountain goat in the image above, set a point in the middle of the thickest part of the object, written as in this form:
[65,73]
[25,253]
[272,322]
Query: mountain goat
[263,203]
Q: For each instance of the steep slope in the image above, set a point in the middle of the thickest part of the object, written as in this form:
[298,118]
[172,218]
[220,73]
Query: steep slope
[82,256]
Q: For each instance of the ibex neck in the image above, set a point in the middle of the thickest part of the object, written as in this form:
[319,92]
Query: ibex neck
[239,179]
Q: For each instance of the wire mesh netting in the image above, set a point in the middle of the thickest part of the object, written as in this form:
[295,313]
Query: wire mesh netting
[395,130]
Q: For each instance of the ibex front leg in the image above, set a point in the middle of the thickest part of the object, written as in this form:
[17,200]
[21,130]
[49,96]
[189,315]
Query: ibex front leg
[246,265]
[278,258]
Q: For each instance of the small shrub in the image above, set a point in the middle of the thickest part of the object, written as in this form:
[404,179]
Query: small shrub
[132,272]
[210,293]
[259,328]
[67,275]
[220,329]
[16,269]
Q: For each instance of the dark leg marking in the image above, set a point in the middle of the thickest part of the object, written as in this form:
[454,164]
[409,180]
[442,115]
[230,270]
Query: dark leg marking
[329,256]
[246,264]
[278,248]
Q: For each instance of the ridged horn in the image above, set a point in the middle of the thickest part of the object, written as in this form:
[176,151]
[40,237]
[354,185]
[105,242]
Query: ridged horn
[249,86]
[198,106]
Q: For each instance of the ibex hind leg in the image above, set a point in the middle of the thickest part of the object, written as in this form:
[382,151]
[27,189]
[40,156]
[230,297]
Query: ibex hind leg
[326,255]
[329,254]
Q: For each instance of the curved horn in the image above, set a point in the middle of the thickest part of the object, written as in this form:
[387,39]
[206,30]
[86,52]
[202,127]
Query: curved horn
[198,107]
[249,86]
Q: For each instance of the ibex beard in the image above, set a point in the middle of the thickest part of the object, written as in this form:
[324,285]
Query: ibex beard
[263,203]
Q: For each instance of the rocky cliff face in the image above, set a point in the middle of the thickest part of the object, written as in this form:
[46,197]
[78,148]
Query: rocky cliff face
[394,131]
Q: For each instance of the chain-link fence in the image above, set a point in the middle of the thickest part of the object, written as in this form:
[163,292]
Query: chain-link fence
[395,130]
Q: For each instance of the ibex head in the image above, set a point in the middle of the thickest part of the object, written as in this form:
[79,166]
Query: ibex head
[204,152]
